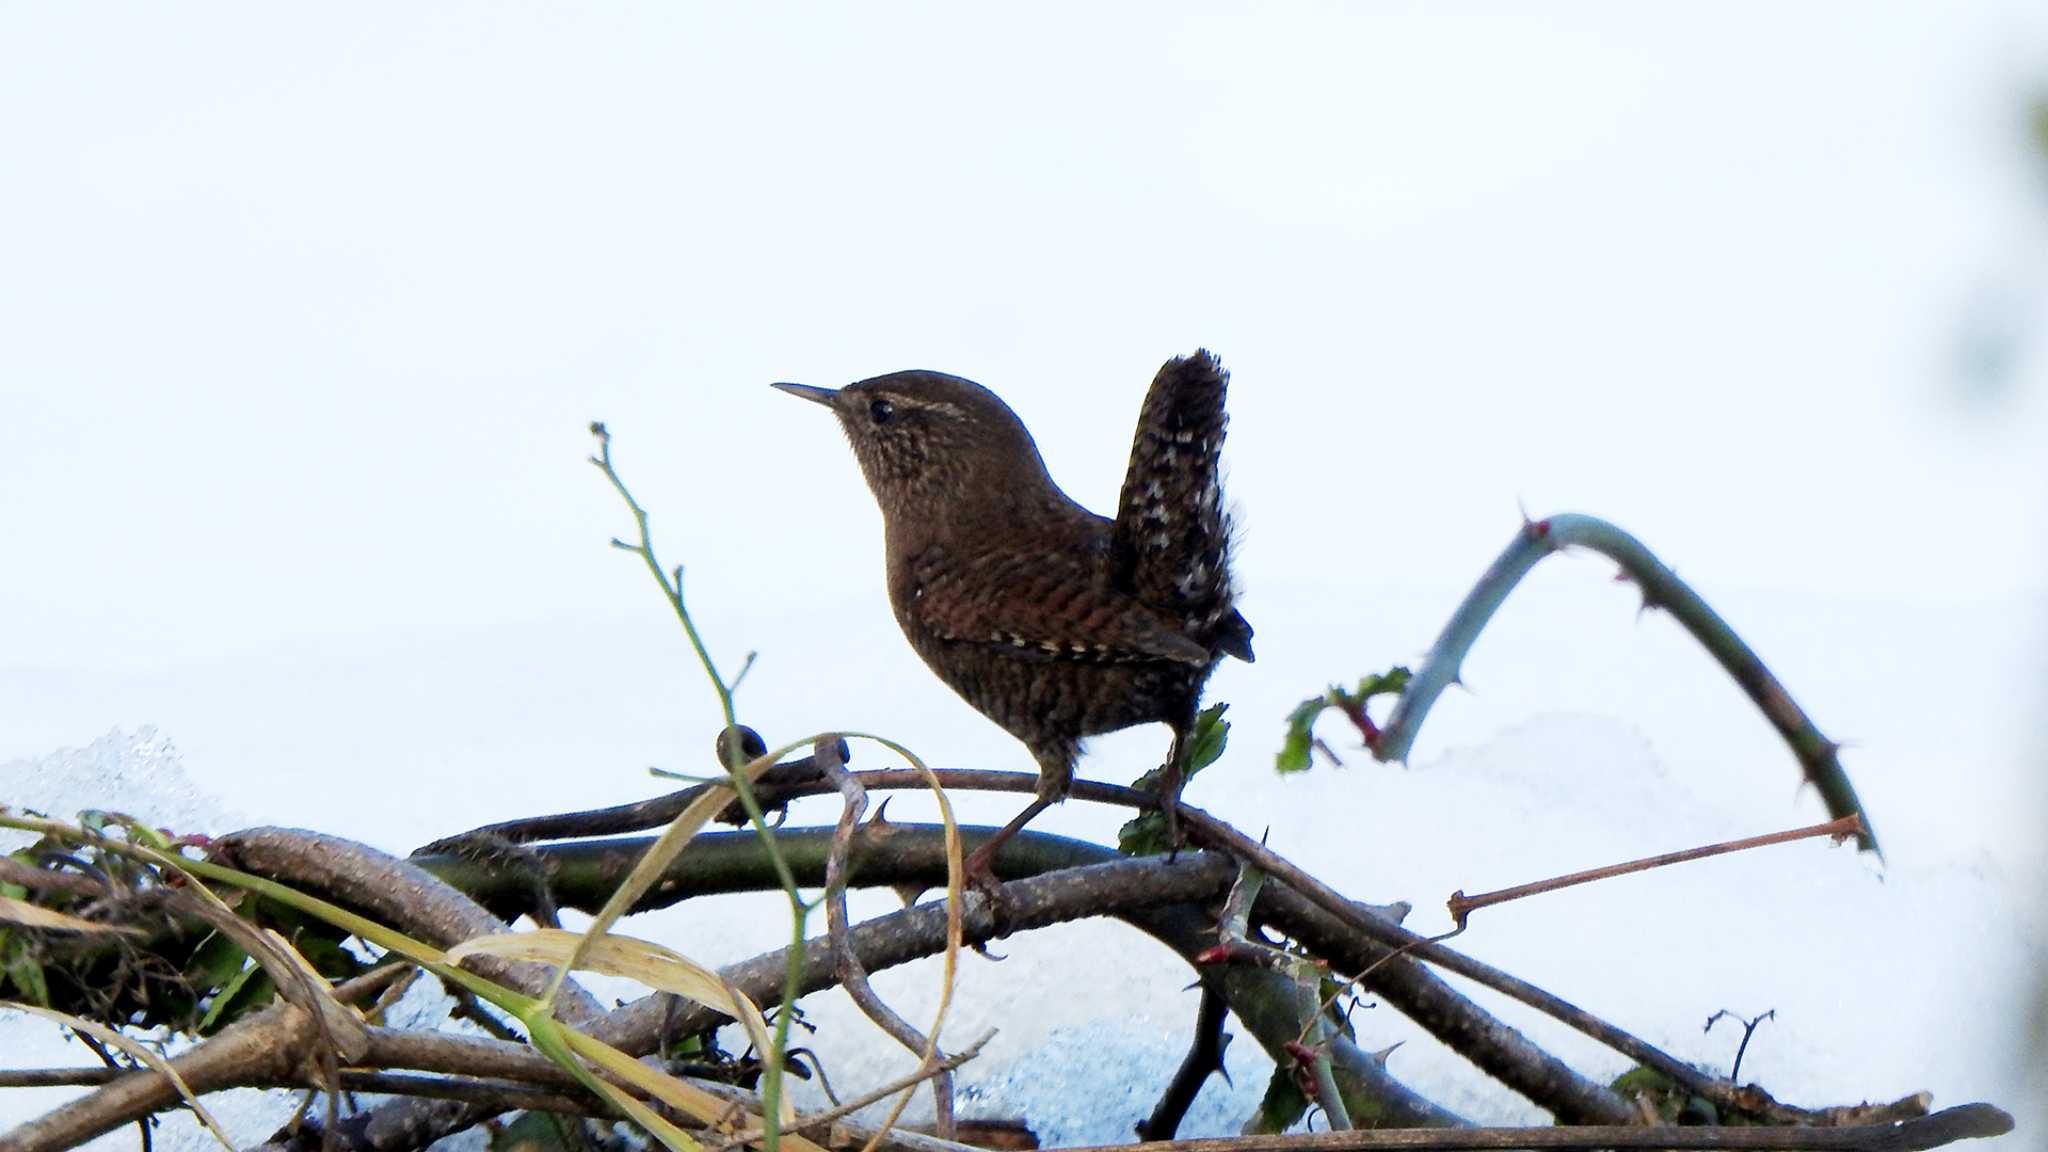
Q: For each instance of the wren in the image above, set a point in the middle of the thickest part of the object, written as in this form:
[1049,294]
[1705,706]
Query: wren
[1052,621]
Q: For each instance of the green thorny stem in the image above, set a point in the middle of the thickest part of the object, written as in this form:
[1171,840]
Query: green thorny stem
[1311,1050]
[736,760]
[1661,588]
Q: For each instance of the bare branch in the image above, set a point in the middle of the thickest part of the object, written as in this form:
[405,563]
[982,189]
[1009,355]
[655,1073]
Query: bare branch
[1966,1122]
[397,893]
[1204,1059]
[1462,905]
[846,962]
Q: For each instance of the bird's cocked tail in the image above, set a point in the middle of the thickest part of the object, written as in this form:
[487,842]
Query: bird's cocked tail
[1171,539]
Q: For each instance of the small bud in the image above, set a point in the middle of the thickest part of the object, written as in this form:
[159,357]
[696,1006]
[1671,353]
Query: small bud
[750,745]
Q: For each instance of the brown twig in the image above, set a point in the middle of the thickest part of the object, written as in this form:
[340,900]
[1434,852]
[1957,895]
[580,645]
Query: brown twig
[914,855]
[846,963]
[1748,1031]
[1204,1059]
[397,893]
[1462,905]
[640,816]
[884,942]
[1375,926]
[259,1049]
[942,1066]
[1965,1122]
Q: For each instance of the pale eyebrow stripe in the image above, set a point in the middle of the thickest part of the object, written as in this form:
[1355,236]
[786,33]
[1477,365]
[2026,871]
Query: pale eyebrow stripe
[927,405]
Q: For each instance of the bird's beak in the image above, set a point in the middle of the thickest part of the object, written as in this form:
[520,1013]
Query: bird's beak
[811,392]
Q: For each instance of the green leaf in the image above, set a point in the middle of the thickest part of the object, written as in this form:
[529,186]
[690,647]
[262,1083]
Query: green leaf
[1281,1108]
[215,962]
[1300,737]
[1392,682]
[250,989]
[1145,835]
[1212,732]
[1331,992]
[24,971]
[532,1132]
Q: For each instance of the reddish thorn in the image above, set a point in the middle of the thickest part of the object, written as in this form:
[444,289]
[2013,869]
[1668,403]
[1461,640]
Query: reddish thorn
[1621,576]
[1540,529]
[1302,1053]
[1220,954]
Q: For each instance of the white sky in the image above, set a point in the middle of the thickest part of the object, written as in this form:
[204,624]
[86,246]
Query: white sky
[302,314]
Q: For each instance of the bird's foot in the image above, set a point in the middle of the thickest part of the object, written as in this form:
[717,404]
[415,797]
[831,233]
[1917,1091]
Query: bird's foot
[980,874]
[980,877]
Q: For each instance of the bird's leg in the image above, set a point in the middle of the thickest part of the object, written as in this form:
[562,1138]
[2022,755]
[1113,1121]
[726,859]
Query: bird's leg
[1053,783]
[980,874]
[1170,782]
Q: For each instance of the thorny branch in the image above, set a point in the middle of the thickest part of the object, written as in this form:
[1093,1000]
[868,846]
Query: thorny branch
[639,1021]
[846,963]
[1204,1059]
[1661,588]
[1462,906]
[1378,925]
[1966,1122]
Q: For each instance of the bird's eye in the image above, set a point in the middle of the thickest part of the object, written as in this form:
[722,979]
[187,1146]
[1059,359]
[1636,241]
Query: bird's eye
[881,411]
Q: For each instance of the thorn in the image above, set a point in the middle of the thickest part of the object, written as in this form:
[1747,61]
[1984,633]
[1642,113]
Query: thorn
[1621,576]
[881,816]
[909,894]
[1380,1057]
[982,950]
[1522,509]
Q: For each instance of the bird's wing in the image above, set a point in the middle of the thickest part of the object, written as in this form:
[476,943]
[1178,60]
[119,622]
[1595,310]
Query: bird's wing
[1170,543]
[1046,603]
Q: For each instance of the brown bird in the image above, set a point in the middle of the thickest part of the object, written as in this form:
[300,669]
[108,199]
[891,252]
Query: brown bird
[1052,621]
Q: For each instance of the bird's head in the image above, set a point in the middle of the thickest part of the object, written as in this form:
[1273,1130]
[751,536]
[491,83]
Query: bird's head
[930,444]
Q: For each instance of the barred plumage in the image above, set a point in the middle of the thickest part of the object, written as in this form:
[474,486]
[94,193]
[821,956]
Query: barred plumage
[1171,541]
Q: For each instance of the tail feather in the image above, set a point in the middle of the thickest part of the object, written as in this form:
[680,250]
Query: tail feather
[1171,539]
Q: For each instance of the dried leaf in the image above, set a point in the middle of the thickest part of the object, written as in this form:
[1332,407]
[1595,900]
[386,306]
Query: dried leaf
[36,916]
